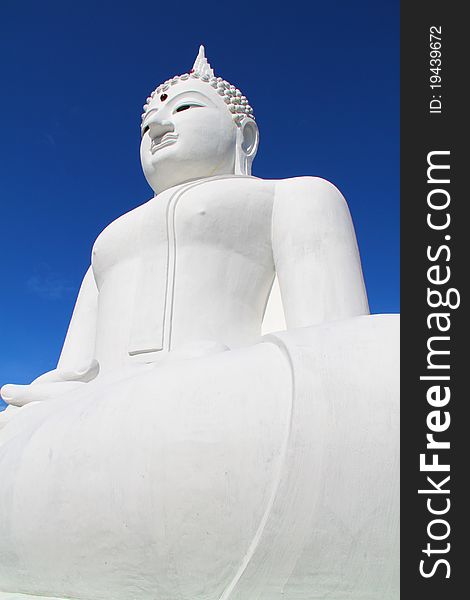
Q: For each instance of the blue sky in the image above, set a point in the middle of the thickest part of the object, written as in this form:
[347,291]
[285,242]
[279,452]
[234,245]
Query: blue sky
[323,78]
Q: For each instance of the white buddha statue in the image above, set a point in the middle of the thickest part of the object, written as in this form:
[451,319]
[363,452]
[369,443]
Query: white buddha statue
[176,453]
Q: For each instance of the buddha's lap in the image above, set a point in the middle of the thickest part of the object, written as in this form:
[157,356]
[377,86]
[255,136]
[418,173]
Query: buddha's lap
[180,464]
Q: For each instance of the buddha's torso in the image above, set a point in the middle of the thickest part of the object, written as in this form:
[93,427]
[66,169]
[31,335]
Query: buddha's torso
[181,269]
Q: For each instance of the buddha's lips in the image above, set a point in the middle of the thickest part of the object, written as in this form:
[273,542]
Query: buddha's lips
[161,142]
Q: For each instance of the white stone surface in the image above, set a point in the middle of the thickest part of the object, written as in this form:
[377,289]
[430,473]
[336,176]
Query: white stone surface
[175,453]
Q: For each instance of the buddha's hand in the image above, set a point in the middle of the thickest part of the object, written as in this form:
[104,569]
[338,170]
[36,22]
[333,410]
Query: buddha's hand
[19,395]
[49,386]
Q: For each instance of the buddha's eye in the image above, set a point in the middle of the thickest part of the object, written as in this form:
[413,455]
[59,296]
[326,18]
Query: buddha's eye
[186,106]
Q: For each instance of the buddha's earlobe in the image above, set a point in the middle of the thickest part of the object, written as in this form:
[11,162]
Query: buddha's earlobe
[247,146]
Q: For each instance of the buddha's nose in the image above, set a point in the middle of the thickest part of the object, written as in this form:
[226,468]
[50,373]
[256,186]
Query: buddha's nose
[158,127]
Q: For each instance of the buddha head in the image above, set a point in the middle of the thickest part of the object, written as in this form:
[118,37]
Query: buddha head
[194,126]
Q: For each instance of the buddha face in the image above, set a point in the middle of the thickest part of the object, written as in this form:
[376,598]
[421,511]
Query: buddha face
[188,133]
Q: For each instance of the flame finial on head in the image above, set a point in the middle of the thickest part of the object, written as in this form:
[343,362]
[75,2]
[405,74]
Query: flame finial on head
[201,64]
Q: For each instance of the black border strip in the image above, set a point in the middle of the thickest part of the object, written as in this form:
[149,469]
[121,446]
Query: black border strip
[423,132]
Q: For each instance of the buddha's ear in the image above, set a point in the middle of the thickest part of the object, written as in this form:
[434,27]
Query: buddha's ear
[247,146]
[250,133]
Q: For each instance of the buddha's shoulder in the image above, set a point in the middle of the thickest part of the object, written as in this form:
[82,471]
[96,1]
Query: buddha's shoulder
[308,195]
[124,224]
[298,192]
[304,188]
[307,187]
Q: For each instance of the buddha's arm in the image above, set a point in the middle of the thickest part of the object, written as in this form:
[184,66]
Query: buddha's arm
[76,363]
[79,346]
[316,254]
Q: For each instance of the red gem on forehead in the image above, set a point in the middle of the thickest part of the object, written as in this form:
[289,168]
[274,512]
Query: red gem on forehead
[163,97]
